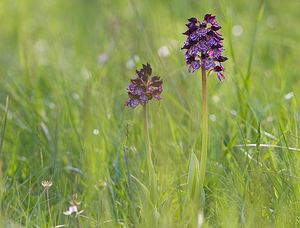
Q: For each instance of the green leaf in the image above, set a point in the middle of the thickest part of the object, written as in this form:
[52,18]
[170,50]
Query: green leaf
[193,175]
[4,125]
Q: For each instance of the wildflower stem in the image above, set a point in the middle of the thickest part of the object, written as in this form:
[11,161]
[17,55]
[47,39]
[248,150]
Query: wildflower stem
[151,170]
[48,202]
[204,129]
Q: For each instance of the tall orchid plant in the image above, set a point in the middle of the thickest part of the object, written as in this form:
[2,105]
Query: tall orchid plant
[204,51]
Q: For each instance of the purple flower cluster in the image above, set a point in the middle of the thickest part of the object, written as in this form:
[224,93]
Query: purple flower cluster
[204,45]
[144,87]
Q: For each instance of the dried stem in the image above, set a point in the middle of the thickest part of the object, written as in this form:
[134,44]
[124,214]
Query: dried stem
[48,202]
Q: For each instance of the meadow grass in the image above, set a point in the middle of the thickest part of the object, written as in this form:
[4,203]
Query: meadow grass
[61,108]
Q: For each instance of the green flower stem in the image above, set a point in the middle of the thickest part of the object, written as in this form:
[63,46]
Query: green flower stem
[204,130]
[151,170]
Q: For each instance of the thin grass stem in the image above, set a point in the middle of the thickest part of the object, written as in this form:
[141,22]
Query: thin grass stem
[151,170]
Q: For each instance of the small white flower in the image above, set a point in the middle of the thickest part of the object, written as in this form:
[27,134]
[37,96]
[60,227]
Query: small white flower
[132,148]
[23,158]
[47,184]
[102,58]
[73,209]
[200,220]
[237,30]
[163,51]
[75,96]
[86,74]
[130,64]
[51,105]
[212,117]
[289,96]
[96,132]
[41,45]
[233,112]
[136,58]
[216,99]
[60,226]
[218,165]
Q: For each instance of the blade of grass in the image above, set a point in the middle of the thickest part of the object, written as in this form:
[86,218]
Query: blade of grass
[4,120]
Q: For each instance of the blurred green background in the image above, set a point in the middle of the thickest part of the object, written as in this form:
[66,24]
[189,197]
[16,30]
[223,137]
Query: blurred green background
[65,66]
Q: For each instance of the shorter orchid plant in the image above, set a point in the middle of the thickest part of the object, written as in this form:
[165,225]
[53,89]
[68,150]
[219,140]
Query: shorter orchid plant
[141,90]
[144,87]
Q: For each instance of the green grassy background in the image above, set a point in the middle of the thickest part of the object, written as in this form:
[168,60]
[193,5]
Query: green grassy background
[50,70]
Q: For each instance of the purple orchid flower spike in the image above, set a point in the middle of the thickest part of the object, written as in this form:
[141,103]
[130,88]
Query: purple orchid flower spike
[144,87]
[204,45]
[141,91]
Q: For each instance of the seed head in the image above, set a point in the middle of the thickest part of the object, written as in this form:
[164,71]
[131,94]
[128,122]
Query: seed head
[46,184]
[144,87]
[102,184]
[204,45]
[75,201]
